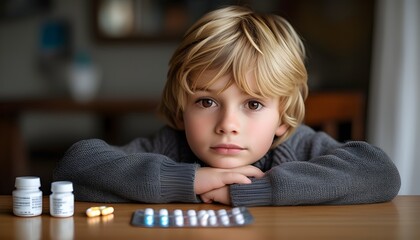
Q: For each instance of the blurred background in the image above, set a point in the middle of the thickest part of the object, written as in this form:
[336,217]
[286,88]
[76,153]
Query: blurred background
[71,70]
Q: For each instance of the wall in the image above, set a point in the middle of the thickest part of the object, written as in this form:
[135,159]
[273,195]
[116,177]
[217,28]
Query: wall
[128,71]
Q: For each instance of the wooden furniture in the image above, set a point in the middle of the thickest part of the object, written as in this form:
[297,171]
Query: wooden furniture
[398,219]
[329,109]
[325,109]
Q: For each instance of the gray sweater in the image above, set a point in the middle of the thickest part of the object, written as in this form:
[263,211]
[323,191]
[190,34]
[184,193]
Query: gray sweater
[309,168]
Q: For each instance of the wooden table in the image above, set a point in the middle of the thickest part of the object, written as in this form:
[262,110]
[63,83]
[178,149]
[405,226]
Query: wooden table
[398,219]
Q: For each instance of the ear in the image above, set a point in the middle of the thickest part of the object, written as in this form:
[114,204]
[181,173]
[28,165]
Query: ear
[281,130]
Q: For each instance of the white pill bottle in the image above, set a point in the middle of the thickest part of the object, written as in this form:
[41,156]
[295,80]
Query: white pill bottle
[62,199]
[27,198]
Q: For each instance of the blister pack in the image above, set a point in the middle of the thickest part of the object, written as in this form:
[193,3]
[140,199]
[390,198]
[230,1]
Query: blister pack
[162,218]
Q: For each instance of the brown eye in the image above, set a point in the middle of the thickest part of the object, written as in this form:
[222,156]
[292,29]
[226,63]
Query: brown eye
[254,105]
[206,103]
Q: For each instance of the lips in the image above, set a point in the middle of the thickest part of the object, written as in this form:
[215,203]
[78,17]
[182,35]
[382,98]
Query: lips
[229,149]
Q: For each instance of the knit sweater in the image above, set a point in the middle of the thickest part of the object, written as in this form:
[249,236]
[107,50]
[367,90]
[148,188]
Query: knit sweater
[309,168]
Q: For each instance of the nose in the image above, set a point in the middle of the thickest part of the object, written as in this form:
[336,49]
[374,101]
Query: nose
[228,122]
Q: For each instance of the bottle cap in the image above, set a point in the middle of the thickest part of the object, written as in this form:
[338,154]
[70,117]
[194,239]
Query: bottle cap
[27,181]
[62,186]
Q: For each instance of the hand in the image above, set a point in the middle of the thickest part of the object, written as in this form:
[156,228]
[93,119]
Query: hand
[207,178]
[220,195]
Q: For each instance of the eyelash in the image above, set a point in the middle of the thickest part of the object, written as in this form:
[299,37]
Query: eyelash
[201,102]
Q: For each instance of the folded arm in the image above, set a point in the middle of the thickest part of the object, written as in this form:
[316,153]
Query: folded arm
[314,169]
[104,173]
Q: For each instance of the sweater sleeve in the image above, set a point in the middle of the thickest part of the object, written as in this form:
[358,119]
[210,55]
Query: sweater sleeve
[105,173]
[312,168]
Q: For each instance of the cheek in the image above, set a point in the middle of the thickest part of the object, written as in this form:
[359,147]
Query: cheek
[195,127]
[262,137]
[264,132]
[190,125]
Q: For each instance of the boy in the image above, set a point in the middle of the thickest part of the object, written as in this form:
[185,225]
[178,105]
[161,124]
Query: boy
[234,103]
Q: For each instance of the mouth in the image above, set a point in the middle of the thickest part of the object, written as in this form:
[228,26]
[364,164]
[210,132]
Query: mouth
[229,149]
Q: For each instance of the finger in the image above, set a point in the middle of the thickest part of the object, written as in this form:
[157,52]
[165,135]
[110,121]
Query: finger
[249,171]
[234,177]
[205,198]
[220,195]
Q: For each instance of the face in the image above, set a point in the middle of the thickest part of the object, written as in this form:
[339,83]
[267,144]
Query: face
[231,128]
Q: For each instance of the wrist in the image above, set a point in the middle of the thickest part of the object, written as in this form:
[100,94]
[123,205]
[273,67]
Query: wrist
[258,193]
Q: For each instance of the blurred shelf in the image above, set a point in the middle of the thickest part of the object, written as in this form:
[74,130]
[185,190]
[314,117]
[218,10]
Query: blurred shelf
[104,106]
[14,159]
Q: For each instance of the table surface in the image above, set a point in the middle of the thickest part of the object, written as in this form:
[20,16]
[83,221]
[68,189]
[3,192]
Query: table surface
[398,219]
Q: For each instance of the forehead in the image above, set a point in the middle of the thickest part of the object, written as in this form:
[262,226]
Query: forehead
[212,79]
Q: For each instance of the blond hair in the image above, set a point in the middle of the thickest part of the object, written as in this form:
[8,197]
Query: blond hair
[233,40]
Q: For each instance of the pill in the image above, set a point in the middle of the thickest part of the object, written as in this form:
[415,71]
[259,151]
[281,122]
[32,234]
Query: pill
[177,212]
[179,219]
[107,210]
[193,220]
[163,212]
[222,212]
[93,212]
[189,218]
[148,216]
[236,211]
[213,220]
[192,217]
[201,213]
[96,211]
[148,220]
[164,219]
[239,218]
[224,219]
[148,211]
[204,220]
[203,216]
[191,212]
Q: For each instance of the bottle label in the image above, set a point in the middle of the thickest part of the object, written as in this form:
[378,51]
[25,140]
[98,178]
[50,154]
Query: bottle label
[62,205]
[27,205]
